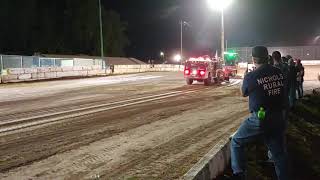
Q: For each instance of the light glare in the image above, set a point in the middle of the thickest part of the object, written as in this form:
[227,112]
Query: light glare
[177,57]
[219,4]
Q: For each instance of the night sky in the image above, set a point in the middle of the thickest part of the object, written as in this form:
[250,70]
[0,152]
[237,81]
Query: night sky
[153,25]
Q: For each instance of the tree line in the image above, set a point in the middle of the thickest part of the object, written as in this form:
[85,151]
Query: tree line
[59,27]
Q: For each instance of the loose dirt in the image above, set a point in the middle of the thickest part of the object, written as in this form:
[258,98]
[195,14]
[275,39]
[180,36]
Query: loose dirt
[155,140]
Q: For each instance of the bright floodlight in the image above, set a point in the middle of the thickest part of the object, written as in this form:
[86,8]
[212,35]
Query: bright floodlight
[219,4]
[161,53]
[177,57]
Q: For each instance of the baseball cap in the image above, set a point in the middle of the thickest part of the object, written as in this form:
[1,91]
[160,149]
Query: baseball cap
[289,57]
[260,52]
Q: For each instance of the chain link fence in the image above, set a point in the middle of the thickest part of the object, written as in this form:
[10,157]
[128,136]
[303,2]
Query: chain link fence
[12,61]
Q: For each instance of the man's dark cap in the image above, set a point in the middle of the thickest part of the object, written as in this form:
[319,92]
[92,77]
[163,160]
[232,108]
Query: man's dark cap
[289,57]
[260,52]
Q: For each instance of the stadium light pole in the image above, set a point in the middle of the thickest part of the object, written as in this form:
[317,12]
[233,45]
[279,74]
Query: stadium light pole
[101,30]
[182,24]
[101,35]
[220,5]
[162,56]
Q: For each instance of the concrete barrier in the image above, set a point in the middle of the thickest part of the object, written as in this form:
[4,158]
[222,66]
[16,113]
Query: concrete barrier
[43,69]
[15,71]
[30,70]
[24,76]
[66,69]
[36,76]
[77,68]
[212,164]
[56,69]
[67,74]
[50,75]
[9,78]
[33,74]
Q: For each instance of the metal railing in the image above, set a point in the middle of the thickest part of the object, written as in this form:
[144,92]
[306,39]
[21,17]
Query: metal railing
[13,61]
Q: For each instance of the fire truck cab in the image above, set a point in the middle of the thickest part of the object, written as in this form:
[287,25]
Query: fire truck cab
[203,69]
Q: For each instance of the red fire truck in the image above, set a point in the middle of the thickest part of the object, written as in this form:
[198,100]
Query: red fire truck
[203,69]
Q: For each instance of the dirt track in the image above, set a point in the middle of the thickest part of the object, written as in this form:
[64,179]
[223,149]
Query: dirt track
[153,140]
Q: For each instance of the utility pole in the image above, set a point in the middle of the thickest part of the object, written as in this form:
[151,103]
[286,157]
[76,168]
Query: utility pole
[182,24]
[226,45]
[101,35]
[222,35]
[181,41]
[101,30]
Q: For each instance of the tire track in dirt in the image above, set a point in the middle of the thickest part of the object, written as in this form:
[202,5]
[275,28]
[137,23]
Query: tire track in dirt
[184,150]
[54,103]
[100,157]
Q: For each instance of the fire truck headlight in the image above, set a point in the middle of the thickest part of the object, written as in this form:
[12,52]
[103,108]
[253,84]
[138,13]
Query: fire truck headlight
[194,72]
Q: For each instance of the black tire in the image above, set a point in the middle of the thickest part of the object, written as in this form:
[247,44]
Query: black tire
[207,82]
[189,81]
[220,77]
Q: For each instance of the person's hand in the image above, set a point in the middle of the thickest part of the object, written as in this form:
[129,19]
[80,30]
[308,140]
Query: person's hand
[246,72]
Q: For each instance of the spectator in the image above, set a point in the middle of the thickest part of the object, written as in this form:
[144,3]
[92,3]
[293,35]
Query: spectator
[292,82]
[300,78]
[270,60]
[284,60]
[281,63]
[265,88]
[288,57]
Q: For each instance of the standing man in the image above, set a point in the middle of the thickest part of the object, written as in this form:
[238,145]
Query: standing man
[278,62]
[265,88]
[283,66]
[300,78]
[271,60]
[292,82]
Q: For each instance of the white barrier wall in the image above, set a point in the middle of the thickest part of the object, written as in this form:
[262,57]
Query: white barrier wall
[33,74]
[212,164]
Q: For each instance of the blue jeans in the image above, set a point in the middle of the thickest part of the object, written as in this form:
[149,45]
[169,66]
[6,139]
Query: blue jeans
[292,96]
[250,131]
[300,89]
